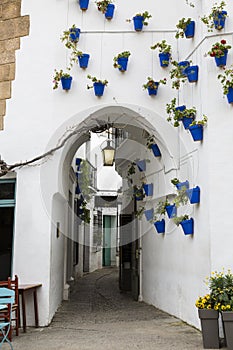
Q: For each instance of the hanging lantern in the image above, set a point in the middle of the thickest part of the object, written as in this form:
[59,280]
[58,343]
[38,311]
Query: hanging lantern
[108,154]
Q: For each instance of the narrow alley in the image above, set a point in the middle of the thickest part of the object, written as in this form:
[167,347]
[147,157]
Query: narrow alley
[99,316]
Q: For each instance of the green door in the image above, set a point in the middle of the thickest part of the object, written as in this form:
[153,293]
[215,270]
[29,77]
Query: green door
[107,241]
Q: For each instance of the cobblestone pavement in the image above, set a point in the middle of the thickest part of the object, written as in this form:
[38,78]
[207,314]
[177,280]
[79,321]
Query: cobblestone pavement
[98,316]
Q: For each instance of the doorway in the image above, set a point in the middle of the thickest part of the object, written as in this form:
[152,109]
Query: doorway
[7,210]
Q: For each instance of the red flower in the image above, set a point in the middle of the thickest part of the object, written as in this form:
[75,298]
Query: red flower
[223,41]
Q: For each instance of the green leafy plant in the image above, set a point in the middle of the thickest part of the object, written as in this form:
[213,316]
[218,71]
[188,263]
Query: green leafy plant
[181,198]
[69,43]
[122,54]
[58,75]
[177,75]
[177,219]
[208,20]
[189,3]
[145,16]
[181,26]
[176,115]
[138,192]
[131,169]
[102,5]
[202,121]
[219,49]
[95,80]
[162,46]
[175,181]
[151,83]
[85,215]
[221,290]
[226,79]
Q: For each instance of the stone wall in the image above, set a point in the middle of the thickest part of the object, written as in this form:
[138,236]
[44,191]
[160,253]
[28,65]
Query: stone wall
[12,27]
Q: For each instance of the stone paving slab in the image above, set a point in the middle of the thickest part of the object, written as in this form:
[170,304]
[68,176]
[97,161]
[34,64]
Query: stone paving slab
[98,317]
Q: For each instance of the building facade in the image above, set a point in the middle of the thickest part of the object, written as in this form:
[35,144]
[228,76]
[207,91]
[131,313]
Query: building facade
[54,124]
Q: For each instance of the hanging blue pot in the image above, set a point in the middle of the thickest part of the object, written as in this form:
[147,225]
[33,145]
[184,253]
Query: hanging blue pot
[148,188]
[192,73]
[149,214]
[77,189]
[180,185]
[98,88]
[188,226]
[74,34]
[194,195]
[187,121]
[110,11]
[122,62]
[138,23]
[181,108]
[196,132]
[230,95]
[164,58]
[141,164]
[83,60]
[155,150]
[184,65]
[160,226]
[66,83]
[190,30]
[83,4]
[153,91]
[221,61]
[171,210]
[78,162]
[219,22]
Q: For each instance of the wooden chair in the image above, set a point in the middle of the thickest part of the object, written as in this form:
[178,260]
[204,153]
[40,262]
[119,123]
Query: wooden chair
[7,299]
[12,284]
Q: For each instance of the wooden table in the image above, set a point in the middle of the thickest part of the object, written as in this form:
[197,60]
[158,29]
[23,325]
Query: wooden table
[23,289]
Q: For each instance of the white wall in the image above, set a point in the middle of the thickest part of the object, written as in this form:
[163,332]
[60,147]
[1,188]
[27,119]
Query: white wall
[38,117]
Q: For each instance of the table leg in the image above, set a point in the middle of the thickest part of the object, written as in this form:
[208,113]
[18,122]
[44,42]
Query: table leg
[24,312]
[36,308]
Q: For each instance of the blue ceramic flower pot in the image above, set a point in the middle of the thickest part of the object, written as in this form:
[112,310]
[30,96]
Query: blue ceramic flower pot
[83,60]
[171,210]
[160,226]
[78,162]
[190,30]
[122,62]
[148,188]
[110,11]
[184,184]
[98,88]
[221,61]
[153,90]
[66,83]
[141,164]
[138,23]
[74,34]
[187,121]
[164,59]
[83,4]
[155,149]
[219,22]
[194,195]
[192,73]
[196,132]
[77,189]
[230,95]
[149,214]
[184,65]
[188,226]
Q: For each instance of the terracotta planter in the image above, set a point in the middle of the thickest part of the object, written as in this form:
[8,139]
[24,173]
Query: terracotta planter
[209,327]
